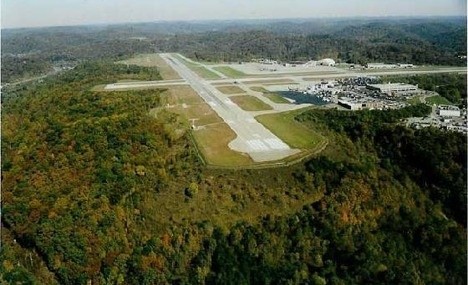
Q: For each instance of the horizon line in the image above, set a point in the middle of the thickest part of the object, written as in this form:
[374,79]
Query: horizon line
[235,20]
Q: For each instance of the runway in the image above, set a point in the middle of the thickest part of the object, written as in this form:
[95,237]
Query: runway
[252,137]
[293,78]
[304,78]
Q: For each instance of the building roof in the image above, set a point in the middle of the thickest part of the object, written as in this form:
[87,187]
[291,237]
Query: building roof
[392,86]
[327,61]
[449,108]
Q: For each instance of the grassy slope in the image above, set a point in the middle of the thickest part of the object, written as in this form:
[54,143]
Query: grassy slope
[415,100]
[438,100]
[213,143]
[292,132]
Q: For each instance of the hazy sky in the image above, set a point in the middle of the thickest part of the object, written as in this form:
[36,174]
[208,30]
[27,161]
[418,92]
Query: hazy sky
[33,13]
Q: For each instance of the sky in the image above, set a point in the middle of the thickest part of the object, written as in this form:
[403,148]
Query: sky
[38,13]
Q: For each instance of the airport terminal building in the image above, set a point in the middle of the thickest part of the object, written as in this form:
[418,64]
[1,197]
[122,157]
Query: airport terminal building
[448,111]
[390,88]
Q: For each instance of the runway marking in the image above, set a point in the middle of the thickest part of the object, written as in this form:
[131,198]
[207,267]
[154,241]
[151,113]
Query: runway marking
[212,104]
[229,102]
[257,145]
[276,144]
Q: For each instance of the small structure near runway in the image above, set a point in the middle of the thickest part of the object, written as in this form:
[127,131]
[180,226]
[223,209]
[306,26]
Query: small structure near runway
[326,62]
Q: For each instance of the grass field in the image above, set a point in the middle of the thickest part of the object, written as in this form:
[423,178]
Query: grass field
[213,140]
[199,69]
[99,88]
[211,135]
[153,60]
[415,100]
[230,72]
[292,132]
[231,89]
[181,95]
[438,100]
[185,102]
[204,72]
[250,103]
[259,89]
[199,114]
[271,82]
[275,98]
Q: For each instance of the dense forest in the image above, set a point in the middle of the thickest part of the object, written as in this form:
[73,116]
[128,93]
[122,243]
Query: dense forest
[435,41]
[96,190]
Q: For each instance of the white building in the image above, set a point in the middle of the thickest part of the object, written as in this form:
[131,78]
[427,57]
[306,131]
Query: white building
[405,65]
[379,65]
[326,62]
[393,87]
[360,104]
[449,111]
[349,104]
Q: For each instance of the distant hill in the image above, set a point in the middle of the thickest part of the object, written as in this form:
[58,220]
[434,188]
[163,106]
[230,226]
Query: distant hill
[436,41]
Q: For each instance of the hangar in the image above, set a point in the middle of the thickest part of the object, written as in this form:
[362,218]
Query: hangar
[326,62]
[393,87]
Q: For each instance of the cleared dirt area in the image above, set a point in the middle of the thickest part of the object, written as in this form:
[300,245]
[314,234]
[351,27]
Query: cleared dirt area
[213,140]
[153,60]
[250,103]
[231,89]
[292,132]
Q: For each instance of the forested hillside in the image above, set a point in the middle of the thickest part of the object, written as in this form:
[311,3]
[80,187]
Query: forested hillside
[95,189]
[435,41]
[392,42]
